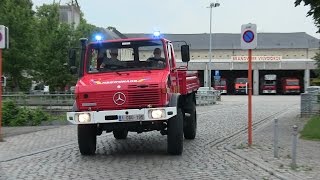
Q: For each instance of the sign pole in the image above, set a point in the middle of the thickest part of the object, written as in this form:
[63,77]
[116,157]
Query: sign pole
[250,97]
[1,139]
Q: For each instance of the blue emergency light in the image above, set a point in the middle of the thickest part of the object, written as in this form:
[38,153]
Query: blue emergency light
[156,34]
[98,37]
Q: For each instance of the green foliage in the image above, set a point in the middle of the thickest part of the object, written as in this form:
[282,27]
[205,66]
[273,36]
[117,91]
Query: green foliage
[19,17]
[16,116]
[312,129]
[9,112]
[39,44]
[314,10]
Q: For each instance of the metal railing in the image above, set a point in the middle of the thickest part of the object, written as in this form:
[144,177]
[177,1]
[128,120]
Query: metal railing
[207,96]
[48,102]
[64,102]
[310,104]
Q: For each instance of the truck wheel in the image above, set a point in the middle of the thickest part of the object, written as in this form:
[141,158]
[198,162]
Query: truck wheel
[87,138]
[190,127]
[120,134]
[175,134]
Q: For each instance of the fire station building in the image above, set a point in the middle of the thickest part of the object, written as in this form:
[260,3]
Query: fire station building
[283,54]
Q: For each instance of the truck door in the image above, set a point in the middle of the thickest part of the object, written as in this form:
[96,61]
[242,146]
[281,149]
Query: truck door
[173,71]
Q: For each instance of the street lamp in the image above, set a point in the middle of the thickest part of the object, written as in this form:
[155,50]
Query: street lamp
[212,5]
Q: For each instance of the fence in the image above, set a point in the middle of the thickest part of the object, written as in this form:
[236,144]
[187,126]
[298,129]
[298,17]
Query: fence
[64,102]
[206,96]
[49,102]
[310,104]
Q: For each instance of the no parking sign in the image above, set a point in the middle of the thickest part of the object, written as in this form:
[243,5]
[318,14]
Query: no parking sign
[4,40]
[249,36]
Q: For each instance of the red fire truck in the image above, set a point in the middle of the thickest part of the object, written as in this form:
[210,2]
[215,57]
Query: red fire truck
[221,85]
[269,84]
[133,93]
[290,85]
[241,85]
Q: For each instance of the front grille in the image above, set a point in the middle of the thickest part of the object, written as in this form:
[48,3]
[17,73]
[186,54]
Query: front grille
[144,97]
[135,98]
[143,86]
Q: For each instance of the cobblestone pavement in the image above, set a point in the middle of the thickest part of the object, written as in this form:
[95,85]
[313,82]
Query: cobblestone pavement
[262,151]
[53,153]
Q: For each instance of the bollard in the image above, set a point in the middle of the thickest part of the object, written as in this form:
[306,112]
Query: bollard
[294,146]
[276,139]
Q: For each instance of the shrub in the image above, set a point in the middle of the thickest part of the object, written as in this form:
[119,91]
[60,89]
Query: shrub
[9,111]
[16,116]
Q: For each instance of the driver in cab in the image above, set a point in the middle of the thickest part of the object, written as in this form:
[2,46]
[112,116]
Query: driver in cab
[113,61]
[157,60]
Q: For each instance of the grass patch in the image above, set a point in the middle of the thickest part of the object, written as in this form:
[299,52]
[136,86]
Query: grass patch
[311,130]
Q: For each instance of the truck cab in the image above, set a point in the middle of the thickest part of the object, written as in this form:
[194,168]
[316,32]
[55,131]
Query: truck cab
[221,86]
[269,84]
[241,85]
[290,85]
[133,92]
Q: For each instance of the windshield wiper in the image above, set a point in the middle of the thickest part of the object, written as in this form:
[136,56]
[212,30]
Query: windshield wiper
[121,73]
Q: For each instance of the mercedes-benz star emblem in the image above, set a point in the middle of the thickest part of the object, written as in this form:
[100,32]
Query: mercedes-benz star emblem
[119,98]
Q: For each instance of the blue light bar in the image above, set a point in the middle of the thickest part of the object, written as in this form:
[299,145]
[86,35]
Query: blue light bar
[98,37]
[156,33]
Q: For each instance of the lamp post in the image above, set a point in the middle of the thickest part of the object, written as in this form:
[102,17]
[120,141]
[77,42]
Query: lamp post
[212,5]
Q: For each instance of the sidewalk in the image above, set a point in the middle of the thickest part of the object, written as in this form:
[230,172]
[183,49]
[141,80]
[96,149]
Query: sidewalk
[14,131]
[308,152]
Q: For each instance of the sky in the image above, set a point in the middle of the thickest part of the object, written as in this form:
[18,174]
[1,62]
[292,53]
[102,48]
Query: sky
[193,16]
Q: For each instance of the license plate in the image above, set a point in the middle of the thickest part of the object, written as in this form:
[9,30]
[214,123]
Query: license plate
[136,117]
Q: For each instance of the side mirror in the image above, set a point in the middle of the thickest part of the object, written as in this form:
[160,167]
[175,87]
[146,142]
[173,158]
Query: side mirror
[72,57]
[72,61]
[73,70]
[185,54]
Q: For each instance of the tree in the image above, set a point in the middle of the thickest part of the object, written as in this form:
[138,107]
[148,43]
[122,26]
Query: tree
[315,13]
[314,10]
[19,17]
[54,43]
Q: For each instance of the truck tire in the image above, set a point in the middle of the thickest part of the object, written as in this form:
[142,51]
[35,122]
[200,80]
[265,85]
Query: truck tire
[87,138]
[120,134]
[175,134]
[190,126]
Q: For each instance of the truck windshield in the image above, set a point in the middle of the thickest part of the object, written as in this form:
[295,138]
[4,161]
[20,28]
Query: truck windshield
[222,83]
[267,82]
[292,83]
[125,56]
[241,80]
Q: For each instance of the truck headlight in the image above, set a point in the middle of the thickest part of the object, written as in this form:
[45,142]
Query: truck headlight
[156,113]
[84,118]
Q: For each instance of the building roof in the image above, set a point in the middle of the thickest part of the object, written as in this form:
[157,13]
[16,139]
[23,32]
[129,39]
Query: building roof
[232,41]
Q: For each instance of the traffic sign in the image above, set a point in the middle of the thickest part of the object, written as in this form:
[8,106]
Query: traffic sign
[4,32]
[2,37]
[249,36]
[217,73]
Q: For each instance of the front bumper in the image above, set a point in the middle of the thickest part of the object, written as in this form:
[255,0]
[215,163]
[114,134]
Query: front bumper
[240,91]
[292,91]
[269,91]
[118,116]
[223,91]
